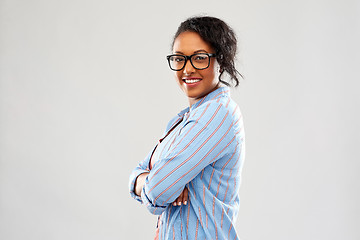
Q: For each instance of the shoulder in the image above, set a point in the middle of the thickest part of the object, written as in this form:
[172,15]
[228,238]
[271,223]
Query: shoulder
[176,119]
[215,110]
[171,123]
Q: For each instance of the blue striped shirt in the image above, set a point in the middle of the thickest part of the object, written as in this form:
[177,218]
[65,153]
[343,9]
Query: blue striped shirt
[203,149]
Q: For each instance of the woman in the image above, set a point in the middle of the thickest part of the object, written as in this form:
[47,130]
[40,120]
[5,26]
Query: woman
[192,176]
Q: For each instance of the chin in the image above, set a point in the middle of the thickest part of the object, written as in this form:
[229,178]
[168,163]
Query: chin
[194,95]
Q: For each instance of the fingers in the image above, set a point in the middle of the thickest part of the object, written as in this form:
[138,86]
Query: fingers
[183,198]
[178,200]
[185,195]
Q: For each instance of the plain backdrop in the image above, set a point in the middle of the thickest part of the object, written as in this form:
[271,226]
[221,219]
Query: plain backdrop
[85,91]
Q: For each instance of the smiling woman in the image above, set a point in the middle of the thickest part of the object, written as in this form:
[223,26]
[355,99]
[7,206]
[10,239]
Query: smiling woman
[191,178]
[195,83]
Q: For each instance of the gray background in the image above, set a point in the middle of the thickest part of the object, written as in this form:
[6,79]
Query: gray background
[85,92]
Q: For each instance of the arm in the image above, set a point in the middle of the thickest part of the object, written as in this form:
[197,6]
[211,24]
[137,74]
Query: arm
[142,168]
[202,141]
[139,183]
[135,186]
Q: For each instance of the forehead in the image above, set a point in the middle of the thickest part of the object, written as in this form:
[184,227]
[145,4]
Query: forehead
[190,42]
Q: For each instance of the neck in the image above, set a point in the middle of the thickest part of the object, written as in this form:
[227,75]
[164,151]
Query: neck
[192,101]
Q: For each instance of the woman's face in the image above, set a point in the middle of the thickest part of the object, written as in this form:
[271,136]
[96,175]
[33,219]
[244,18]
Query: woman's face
[195,83]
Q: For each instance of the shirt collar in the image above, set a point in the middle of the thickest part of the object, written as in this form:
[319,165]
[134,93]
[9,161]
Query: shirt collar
[217,93]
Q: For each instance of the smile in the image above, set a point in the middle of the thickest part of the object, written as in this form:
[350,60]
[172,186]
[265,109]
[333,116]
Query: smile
[192,80]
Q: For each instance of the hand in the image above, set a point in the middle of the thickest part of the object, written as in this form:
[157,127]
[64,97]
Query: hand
[183,198]
[140,180]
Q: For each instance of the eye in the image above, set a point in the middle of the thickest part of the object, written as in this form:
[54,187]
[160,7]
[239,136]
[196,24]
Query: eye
[177,58]
[200,57]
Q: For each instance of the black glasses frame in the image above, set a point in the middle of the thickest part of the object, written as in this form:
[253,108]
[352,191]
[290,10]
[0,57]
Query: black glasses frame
[188,57]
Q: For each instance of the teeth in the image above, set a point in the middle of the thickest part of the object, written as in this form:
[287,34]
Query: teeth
[191,80]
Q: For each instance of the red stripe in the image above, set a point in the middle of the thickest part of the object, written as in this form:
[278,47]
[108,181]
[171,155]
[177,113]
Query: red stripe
[196,121]
[206,219]
[213,208]
[203,195]
[173,194]
[187,222]
[229,231]
[192,184]
[168,135]
[202,100]
[220,93]
[197,226]
[171,141]
[200,218]
[237,122]
[216,231]
[227,181]
[168,217]
[191,157]
[222,170]
[212,174]
[232,195]
[222,149]
[202,173]
[172,136]
[226,91]
[177,120]
[227,104]
[222,217]
[189,129]
[235,109]
[217,110]
[181,227]
[180,142]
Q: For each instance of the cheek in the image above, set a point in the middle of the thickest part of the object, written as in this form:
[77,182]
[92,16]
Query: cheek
[210,74]
[178,77]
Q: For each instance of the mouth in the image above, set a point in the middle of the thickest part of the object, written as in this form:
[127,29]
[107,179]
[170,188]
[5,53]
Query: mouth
[191,80]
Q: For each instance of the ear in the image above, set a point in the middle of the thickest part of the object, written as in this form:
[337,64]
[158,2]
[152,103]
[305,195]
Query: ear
[220,69]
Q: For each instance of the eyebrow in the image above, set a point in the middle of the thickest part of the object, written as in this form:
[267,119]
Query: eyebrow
[197,51]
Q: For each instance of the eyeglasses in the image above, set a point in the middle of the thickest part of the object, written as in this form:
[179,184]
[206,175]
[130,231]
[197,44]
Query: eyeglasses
[198,60]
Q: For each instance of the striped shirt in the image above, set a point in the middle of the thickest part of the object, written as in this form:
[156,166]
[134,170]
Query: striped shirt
[202,149]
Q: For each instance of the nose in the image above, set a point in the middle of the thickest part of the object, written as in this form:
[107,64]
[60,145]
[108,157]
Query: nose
[188,69]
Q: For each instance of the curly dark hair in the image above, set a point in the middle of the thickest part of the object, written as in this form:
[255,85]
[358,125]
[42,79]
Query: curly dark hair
[221,37]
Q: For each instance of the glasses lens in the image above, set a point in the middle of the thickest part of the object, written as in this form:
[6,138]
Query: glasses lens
[177,62]
[200,61]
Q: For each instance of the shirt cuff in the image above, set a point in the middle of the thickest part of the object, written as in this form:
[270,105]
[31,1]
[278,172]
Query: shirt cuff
[156,210]
[132,182]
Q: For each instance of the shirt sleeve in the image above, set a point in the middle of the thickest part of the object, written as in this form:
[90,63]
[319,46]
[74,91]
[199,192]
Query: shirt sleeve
[206,136]
[144,165]
[141,168]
